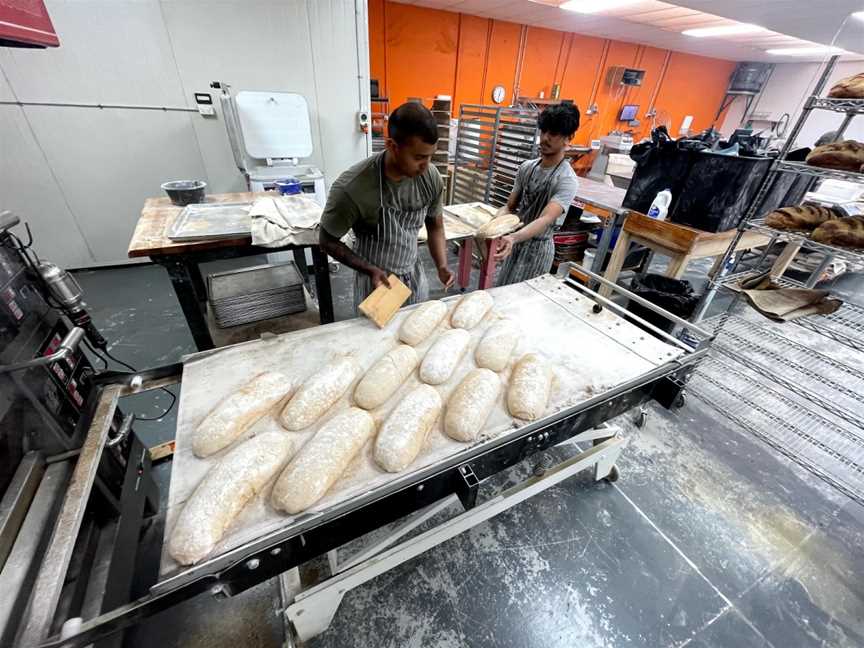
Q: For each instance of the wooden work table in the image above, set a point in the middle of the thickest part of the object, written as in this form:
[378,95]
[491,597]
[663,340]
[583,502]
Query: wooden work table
[680,243]
[182,260]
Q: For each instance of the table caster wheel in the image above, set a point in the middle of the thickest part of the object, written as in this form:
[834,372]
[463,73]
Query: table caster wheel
[613,475]
[641,419]
[680,401]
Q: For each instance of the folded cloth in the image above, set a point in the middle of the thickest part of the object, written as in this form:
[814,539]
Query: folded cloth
[786,304]
[278,221]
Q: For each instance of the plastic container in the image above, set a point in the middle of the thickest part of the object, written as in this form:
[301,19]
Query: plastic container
[660,207]
[673,295]
[289,186]
[185,192]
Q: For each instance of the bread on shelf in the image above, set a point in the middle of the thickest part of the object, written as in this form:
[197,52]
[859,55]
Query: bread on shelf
[803,217]
[849,88]
[845,232]
[844,156]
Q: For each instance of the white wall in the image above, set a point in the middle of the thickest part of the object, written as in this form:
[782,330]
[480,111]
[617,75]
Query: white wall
[787,89]
[79,176]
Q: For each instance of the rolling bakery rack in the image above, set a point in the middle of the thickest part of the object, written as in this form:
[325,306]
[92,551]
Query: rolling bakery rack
[798,386]
[652,365]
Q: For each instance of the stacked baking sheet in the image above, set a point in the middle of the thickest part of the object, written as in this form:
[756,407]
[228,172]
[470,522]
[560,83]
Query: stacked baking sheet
[256,293]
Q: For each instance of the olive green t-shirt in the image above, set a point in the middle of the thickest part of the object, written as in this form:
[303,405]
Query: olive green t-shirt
[355,198]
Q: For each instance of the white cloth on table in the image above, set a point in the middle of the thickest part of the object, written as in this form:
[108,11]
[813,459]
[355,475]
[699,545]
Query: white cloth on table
[278,221]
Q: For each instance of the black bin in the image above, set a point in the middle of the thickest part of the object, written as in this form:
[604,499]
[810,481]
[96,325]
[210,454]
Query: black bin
[673,295]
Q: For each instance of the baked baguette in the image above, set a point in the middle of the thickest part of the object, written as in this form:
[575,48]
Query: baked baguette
[319,393]
[238,412]
[845,232]
[471,404]
[804,217]
[443,356]
[844,156]
[497,345]
[385,376]
[471,309]
[403,433]
[529,389]
[322,460]
[849,88]
[422,321]
[229,485]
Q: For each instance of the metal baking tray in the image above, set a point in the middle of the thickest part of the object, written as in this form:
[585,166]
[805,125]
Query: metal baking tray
[205,221]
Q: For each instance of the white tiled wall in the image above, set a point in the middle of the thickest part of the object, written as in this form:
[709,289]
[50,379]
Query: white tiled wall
[79,176]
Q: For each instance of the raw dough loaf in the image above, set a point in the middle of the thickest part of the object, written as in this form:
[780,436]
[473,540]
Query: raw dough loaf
[499,226]
[845,156]
[845,232]
[404,432]
[529,388]
[497,345]
[385,377]
[420,323]
[443,356]
[805,217]
[471,404]
[240,411]
[225,490]
[471,309]
[322,460]
[849,88]
[319,393]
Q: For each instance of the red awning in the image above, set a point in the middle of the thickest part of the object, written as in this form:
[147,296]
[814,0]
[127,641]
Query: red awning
[26,23]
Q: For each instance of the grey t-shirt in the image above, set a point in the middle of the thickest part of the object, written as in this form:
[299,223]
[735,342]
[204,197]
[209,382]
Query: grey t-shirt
[563,187]
[355,198]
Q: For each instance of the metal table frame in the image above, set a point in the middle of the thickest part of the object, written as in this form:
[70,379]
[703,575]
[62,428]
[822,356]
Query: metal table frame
[185,273]
[316,534]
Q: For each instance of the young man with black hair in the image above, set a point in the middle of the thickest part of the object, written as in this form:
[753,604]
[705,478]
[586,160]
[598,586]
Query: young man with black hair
[543,190]
[384,200]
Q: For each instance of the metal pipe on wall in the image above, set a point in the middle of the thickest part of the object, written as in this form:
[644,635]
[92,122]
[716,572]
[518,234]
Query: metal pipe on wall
[71,104]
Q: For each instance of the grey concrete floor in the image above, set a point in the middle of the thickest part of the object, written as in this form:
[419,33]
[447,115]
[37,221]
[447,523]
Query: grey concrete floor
[709,538]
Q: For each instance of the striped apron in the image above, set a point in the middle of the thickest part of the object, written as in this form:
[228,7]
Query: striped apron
[533,257]
[392,245]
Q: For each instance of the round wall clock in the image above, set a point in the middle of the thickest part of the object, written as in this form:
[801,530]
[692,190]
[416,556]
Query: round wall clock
[498,94]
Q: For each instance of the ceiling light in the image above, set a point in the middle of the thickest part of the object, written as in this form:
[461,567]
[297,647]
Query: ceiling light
[858,14]
[725,30]
[805,51]
[593,6]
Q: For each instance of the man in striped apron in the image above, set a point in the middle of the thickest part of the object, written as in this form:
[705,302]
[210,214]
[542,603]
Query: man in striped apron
[384,200]
[543,191]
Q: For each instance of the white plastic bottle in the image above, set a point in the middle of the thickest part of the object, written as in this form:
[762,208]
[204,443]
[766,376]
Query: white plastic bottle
[660,206]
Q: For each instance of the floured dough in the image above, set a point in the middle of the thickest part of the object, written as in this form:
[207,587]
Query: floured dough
[422,321]
[322,460]
[529,389]
[443,356]
[240,411]
[225,490]
[497,345]
[318,393]
[471,309]
[403,433]
[385,377]
[470,404]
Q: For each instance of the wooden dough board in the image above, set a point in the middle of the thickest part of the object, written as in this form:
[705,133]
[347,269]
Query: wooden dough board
[591,353]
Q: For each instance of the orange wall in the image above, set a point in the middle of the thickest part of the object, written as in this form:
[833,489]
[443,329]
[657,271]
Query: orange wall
[419,52]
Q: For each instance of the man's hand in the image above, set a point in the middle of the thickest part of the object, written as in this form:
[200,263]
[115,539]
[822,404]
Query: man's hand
[378,277]
[446,277]
[505,248]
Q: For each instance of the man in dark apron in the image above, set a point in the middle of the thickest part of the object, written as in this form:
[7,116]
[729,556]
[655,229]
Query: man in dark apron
[384,200]
[543,191]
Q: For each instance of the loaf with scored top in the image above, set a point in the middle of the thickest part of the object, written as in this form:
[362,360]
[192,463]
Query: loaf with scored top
[845,232]
[804,217]
[849,88]
[843,156]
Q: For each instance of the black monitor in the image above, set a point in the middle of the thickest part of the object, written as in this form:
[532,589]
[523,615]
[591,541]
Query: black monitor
[628,112]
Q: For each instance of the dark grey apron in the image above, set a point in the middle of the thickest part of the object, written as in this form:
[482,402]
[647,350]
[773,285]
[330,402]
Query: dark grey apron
[392,245]
[533,257]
